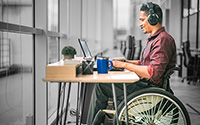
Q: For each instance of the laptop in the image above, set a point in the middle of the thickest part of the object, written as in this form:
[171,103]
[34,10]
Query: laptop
[85,49]
[87,54]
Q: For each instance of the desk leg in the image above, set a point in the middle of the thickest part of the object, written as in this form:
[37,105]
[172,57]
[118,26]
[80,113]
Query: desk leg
[125,102]
[58,104]
[115,102]
[77,106]
[83,93]
[67,103]
[63,98]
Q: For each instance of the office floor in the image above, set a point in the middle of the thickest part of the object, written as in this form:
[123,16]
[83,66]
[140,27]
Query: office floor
[188,94]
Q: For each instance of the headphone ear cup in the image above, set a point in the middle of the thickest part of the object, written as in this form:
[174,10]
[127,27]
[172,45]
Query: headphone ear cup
[153,19]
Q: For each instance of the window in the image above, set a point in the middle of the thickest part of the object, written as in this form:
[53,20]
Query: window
[190,22]
[16,62]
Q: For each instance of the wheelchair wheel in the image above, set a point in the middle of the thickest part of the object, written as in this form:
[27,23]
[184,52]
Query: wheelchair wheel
[153,106]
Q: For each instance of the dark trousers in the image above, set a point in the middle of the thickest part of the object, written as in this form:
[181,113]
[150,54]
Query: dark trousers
[103,91]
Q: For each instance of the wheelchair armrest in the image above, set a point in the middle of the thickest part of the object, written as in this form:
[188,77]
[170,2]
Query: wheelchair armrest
[165,84]
[170,70]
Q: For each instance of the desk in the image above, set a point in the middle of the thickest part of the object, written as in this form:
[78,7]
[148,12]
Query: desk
[112,77]
[195,51]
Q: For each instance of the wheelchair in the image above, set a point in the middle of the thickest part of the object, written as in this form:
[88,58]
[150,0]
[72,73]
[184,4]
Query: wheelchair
[150,106]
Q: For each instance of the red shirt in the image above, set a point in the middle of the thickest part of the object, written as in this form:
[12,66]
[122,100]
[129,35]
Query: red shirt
[159,54]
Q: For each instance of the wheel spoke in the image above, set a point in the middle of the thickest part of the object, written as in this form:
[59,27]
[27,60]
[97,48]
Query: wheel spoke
[142,110]
[147,113]
[155,107]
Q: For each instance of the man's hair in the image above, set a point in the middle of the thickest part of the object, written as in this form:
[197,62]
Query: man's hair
[156,8]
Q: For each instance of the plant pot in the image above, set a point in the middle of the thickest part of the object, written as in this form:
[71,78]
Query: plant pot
[68,56]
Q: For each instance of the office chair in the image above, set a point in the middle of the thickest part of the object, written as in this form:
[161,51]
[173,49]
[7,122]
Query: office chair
[129,47]
[130,43]
[123,47]
[139,49]
[191,63]
[133,48]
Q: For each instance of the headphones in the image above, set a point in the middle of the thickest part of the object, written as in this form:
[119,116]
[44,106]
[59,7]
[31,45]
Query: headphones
[153,17]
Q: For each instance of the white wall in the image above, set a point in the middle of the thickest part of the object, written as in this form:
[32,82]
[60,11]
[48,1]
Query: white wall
[74,22]
[97,24]
[90,20]
[107,24]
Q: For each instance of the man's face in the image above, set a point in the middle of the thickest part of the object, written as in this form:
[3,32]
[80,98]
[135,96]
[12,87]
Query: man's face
[144,24]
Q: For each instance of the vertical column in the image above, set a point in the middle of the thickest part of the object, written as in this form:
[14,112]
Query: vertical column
[197,29]
[40,60]
[175,19]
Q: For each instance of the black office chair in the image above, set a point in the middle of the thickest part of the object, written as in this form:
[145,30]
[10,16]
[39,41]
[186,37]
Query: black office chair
[130,43]
[191,63]
[138,49]
[123,47]
[133,48]
[130,47]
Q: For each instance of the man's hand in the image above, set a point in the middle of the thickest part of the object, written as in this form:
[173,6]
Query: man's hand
[118,64]
[122,60]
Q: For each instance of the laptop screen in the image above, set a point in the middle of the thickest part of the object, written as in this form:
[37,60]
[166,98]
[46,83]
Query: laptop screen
[85,48]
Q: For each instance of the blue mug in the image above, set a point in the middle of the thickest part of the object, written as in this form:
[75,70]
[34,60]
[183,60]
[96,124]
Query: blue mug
[103,64]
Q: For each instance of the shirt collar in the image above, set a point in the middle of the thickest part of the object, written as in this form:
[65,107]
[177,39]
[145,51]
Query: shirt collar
[155,34]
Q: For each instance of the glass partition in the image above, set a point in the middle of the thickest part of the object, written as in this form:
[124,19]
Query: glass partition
[192,30]
[184,29]
[17,12]
[52,88]
[190,22]
[16,79]
[53,15]
[16,65]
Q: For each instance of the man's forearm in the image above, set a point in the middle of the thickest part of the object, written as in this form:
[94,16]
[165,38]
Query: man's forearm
[142,71]
[133,62]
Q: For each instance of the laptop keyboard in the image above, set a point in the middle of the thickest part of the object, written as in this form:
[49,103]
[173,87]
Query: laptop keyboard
[112,69]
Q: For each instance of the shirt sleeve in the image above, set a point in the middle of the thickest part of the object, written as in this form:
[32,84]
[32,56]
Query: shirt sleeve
[150,70]
[139,61]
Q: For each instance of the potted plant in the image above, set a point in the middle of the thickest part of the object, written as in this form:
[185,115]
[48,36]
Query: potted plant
[68,52]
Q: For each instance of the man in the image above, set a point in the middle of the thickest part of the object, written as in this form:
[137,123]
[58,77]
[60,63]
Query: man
[158,55]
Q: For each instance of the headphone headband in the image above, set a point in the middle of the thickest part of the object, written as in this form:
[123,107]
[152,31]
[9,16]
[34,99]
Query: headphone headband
[153,17]
[150,5]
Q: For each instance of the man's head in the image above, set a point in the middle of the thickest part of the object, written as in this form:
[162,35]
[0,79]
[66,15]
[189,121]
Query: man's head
[150,17]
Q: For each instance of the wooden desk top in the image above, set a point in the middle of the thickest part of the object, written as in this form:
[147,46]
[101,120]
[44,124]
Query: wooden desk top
[111,77]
